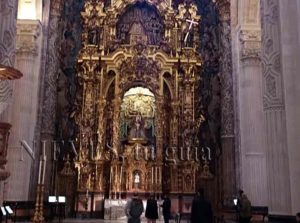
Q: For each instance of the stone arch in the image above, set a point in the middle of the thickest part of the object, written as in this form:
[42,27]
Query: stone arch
[130,85]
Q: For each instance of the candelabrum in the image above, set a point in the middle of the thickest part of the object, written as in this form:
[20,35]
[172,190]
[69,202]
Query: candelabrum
[38,216]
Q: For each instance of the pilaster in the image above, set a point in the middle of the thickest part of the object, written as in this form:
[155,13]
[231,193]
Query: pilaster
[247,81]
[227,107]
[24,106]
[274,110]
[252,129]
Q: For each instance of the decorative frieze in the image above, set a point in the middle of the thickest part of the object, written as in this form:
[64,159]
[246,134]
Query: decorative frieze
[271,57]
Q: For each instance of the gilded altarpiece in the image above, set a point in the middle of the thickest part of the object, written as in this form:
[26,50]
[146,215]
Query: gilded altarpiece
[138,72]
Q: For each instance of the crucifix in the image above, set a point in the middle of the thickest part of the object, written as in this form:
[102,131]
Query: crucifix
[192,22]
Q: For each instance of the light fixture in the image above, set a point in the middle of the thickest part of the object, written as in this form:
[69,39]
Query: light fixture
[3,211]
[57,199]
[61,199]
[52,199]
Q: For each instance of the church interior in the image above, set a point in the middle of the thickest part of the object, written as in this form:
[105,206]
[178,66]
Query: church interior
[104,99]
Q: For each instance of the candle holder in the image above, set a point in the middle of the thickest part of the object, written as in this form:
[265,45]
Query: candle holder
[38,216]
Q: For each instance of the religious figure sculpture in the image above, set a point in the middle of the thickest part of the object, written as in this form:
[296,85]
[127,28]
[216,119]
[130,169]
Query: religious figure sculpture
[93,37]
[138,129]
[137,180]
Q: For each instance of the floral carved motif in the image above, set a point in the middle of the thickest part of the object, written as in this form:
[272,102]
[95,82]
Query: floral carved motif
[271,59]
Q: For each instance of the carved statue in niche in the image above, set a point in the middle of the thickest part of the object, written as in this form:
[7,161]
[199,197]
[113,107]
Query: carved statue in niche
[141,23]
[94,37]
[137,179]
[138,129]
[84,176]
[188,183]
[86,134]
[138,34]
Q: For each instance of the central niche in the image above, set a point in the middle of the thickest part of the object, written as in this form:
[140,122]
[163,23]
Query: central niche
[141,23]
[138,116]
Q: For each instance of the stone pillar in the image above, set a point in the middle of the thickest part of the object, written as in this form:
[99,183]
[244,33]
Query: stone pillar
[8,16]
[274,110]
[250,131]
[50,70]
[290,47]
[24,107]
[227,106]
[251,116]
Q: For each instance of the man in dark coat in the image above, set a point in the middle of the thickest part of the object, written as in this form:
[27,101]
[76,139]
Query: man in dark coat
[134,209]
[151,209]
[298,217]
[166,208]
[201,209]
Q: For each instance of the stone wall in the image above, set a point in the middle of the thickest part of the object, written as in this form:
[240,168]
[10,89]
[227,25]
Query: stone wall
[8,15]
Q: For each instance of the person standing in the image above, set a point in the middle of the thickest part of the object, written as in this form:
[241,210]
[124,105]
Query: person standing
[151,210]
[201,209]
[166,208]
[244,208]
[134,209]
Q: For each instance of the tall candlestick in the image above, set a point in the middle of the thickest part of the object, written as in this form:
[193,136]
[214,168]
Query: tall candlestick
[44,149]
[160,173]
[40,170]
[156,175]
[110,179]
[54,151]
[121,173]
[44,170]
[152,175]
[92,149]
[193,104]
